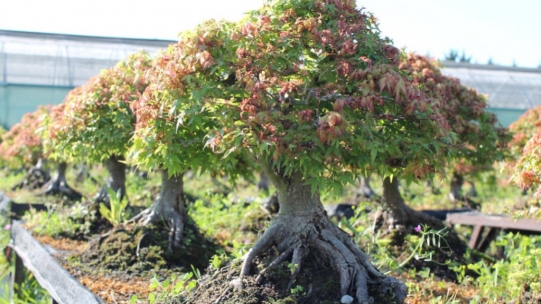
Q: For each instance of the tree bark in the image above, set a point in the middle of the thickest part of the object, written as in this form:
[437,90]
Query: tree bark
[169,206]
[115,181]
[396,215]
[59,186]
[302,228]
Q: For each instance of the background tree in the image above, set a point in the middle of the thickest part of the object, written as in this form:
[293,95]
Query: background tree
[97,123]
[527,169]
[480,139]
[21,147]
[24,144]
[522,148]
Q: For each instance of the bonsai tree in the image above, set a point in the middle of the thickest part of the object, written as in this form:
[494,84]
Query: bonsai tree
[522,130]
[58,184]
[172,123]
[526,171]
[21,146]
[479,138]
[522,148]
[97,123]
[312,94]
[25,143]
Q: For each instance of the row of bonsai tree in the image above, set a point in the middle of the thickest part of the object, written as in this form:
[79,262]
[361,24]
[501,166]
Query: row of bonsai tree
[306,92]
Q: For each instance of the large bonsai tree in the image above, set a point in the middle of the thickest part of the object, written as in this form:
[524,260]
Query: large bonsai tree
[97,122]
[311,93]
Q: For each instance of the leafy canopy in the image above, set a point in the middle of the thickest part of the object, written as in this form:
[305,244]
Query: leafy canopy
[526,150]
[97,122]
[171,118]
[311,87]
[22,144]
[480,139]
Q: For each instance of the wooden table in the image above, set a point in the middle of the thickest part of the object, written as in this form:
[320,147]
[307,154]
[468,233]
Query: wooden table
[493,223]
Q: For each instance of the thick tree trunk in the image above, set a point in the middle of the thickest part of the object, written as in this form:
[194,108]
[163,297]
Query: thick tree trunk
[302,228]
[35,177]
[169,206]
[395,215]
[115,181]
[59,186]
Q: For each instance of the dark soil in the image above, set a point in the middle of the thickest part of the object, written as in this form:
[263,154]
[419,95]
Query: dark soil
[319,284]
[144,249]
[34,179]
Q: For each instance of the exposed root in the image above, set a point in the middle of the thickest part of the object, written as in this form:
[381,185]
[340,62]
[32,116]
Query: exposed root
[296,238]
[260,247]
[60,187]
[175,220]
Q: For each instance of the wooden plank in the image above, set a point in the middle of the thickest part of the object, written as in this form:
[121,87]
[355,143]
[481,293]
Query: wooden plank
[496,221]
[62,286]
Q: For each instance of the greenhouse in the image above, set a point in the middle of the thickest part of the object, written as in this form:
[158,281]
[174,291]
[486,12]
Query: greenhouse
[510,90]
[40,68]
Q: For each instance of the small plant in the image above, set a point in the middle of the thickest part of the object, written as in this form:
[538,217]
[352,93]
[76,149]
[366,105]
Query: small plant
[117,214]
[519,272]
[428,238]
[172,288]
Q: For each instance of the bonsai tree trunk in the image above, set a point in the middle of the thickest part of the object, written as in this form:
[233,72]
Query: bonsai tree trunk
[169,206]
[457,182]
[302,228]
[115,181]
[58,185]
[263,184]
[35,177]
[396,215]
[364,190]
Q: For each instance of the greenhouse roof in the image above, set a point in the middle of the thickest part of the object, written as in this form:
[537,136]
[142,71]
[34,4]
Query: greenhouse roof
[506,87]
[63,60]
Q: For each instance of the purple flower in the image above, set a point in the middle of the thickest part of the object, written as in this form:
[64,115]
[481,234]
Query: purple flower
[418,228]
[7,227]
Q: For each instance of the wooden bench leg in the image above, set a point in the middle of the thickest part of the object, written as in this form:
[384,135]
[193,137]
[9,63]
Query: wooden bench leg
[490,236]
[474,239]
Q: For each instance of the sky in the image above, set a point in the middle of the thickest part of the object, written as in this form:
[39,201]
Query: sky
[508,33]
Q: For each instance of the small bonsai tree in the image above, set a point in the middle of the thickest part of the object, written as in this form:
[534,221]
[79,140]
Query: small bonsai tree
[479,138]
[523,149]
[25,143]
[97,123]
[21,147]
[172,123]
[527,169]
[523,129]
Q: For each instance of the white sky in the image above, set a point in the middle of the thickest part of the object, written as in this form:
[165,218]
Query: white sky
[506,31]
